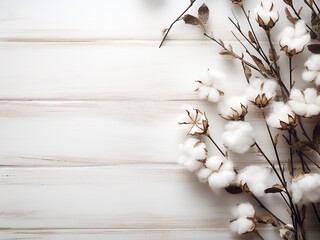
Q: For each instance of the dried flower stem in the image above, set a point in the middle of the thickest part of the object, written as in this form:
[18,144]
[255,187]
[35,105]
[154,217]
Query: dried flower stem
[316,212]
[312,9]
[284,90]
[237,56]
[290,71]
[299,17]
[315,4]
[216,145]
[307,157]
[168,30]
[265,208]
[259,235]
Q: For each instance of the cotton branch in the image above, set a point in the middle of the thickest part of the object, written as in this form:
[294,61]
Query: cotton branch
[168,30]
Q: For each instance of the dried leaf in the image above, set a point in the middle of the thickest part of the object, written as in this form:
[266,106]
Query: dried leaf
[304,146]
[247,71]
[314,48]
[265,219]
[315,25]
[276,139]
[262,68]
[203,13]
[233,189]
[289,16]
[271,56]
[189,19]
[288,2]
[274,189]
[228,55]
[251,37]
[164,31]
[221,42]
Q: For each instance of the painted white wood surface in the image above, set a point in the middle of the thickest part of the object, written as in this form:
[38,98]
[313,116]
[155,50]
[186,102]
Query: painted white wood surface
[88,121]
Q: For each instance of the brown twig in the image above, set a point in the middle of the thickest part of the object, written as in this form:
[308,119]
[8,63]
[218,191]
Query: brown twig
[216,145]
[168,30]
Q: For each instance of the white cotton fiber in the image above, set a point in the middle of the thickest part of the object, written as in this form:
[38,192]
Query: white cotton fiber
[266,12]
[257,179]
[305,102]
[312,71]
[258,87]
[241,213]
[238,137]
[295,38]
[306,189]
[194,152]
[279,112]
[211,85]
[225,107]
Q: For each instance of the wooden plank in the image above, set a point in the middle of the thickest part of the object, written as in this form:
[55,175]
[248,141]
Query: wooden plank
[115,70]
[86,133]
[143,197]
[87,20]
[134,234]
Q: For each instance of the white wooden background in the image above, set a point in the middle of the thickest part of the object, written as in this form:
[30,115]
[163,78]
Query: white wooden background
[88,113]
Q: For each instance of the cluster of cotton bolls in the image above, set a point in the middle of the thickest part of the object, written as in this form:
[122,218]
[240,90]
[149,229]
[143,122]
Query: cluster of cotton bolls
[244,215]
[306,188]
[194,154]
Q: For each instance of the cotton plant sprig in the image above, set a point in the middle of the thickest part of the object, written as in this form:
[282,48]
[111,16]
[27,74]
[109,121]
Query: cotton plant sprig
[284,108]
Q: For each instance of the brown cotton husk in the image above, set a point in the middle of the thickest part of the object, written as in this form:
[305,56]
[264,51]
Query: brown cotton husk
[203,13]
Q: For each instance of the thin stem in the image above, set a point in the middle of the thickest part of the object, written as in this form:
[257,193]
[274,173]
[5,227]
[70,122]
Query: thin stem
[236,55]
[216,145]
[265,208]
[286,201]
[303,129]
[310,160]
[316,212]
[274,147]
[259,235]
[291,154]
[315,4]
[298,16]
[168,30]
[290,71]
[271,164]
[284,90]
[312,9]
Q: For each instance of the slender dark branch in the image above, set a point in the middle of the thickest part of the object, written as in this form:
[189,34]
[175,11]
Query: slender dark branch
[290,71]
[307,157]
[237,56]
[274,147]
[284,90]
[312,9]
[259,235]
[316,212]
[265,208]
[216,145]
[315,4]
[303,129]
[168,30]
[246,38]
[271,164]
[286,201]
[298,16]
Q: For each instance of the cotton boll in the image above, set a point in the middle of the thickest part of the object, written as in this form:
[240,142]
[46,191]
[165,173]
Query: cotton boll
[306,188]
[238,137]
[266,14]
[281,112]
[194,154]
[221,179]
[293,39]
[243,210]
[214,163]
[261,91]
[234,108]
[287,231]
[203,174]
[243,223]
[242,226]
[305,102]
[211,86]
[257,179]
[312,72]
